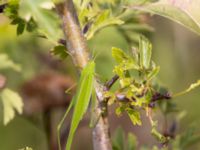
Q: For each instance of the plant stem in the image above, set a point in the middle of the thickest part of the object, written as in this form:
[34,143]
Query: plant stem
[110,83]
[77,46]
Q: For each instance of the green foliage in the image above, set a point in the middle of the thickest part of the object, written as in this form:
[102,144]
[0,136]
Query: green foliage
[11,102]
[32,15]
[145,49]
[119,55]
[10,99]
[12,12]
[181,142]
[93,16]
[6,63]
[60,51]
[134,116]
[82,99]
[41,12]
[118,139]
[136,92]
[137,73]
[121,142]
[101,21]
[132,142]
[181,11]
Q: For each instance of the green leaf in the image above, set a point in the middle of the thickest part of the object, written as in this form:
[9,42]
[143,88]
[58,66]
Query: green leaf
[132,142]
[118,139]
[125,82]
[46,19]
[183,12]
[82,99]
[153,73]
[119,55]
[119,110]
[60,51]
[20,27]
[103,20]
[145,49]
[31,25]
[134,116]
[125,63]
[12,9]
[6,63]
[11,102]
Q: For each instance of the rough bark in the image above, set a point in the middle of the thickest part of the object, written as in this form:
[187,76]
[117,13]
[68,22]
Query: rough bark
[77,46]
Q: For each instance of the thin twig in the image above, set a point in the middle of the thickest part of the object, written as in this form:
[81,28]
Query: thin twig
[110,83]
[156,97]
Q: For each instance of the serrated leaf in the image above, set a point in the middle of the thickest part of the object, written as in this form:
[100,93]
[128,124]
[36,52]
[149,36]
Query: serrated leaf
[145,49]
[60,51]
[6,63]
[46,20]
[132,142]
[103,20]
[183,12]
[125,63]
[82,99]
[134,116]
[119,55]
[11,102]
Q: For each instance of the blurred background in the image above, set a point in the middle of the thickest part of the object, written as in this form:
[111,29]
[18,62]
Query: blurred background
[175,49]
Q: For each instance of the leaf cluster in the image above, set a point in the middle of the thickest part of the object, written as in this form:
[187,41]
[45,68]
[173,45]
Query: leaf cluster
[11,100]
[12,11]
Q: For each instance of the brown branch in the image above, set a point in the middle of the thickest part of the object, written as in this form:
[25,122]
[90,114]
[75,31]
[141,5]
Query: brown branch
[156,97]
[110,83]
[76,44]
